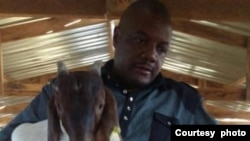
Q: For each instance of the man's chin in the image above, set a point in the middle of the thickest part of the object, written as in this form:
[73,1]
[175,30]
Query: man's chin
[141,82]
[137,80]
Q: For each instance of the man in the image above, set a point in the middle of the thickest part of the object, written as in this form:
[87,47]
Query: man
[147,102]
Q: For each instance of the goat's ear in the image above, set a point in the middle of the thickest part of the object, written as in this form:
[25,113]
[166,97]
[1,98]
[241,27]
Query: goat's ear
[109,119]
[54,130]
[61,68]
[96,67]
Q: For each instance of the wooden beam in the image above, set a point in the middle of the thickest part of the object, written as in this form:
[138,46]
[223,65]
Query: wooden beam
[209,93]
[20,89]
[222,93]
[110,36]
[180,77]
[15,109]
[209,90]
[238,82]
[81,8]
[248,70]
[5,120]
[189,79]
[1,68]
[40,28]
[23,87]
[32,86]
[220,10]
[202,83]
[218,112]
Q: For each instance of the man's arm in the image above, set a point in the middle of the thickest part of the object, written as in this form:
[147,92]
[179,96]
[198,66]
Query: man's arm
[34,112]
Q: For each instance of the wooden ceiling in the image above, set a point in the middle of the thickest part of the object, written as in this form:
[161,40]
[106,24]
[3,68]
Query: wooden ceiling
[220,21]
[220,10]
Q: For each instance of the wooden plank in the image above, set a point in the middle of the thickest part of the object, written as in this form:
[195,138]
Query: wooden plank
[19,87]
[222,93]
[221,10]
[22,89]
[82,8]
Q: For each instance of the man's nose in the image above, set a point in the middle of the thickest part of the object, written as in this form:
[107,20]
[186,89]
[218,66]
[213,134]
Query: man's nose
[150,53]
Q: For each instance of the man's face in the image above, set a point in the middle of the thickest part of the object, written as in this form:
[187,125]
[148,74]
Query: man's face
[140,48]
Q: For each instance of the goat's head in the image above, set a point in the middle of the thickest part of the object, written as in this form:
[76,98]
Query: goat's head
[82,105]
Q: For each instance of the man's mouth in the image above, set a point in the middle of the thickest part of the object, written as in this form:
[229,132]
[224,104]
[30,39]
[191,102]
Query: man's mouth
[143,69]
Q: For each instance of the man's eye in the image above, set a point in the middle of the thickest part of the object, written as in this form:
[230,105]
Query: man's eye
[139,40]
[162,49]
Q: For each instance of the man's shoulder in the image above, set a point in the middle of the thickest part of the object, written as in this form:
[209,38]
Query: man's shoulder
[179,86]
[188,94]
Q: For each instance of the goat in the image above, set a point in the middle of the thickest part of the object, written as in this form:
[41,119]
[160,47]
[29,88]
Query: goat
[81,109]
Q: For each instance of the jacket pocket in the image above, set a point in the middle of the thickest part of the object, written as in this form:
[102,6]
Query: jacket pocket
[160,128]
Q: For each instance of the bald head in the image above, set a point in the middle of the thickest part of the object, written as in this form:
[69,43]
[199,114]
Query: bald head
[143,7]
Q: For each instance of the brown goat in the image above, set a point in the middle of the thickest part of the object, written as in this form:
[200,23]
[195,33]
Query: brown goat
[83,106]
[80,109]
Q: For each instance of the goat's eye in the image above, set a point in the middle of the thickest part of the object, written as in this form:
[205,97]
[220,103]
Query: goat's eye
[101,106]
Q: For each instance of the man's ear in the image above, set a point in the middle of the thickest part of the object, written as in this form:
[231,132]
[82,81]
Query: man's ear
[117,33]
